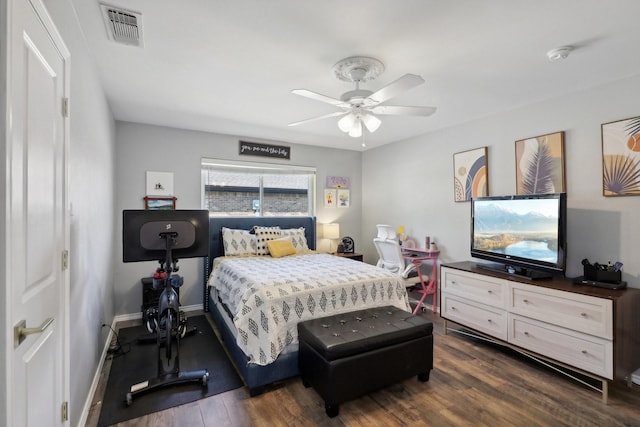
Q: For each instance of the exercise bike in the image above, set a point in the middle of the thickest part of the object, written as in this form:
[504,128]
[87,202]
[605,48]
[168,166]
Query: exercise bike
[170,325]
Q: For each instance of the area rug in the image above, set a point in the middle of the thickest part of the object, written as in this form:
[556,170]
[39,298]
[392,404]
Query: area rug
[200,350]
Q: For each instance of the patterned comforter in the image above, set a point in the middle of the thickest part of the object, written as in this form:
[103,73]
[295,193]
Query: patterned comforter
[270,296]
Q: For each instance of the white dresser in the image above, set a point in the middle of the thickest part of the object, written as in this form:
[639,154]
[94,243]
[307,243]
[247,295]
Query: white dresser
[592,330]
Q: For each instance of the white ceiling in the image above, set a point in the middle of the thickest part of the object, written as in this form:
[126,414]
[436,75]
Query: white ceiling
[228,66]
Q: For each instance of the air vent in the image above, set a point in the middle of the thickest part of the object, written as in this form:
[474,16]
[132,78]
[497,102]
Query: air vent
[123,26]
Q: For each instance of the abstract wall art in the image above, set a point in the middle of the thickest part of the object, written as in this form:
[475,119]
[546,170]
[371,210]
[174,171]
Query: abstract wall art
[470,175]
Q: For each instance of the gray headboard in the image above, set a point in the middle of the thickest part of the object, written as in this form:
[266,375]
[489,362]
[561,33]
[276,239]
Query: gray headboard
[216,248]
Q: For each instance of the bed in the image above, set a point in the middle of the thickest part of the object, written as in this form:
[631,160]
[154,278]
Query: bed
[257,301]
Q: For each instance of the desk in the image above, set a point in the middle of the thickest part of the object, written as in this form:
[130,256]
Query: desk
[417,256]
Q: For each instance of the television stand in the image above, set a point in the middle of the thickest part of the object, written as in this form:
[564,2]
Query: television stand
[524,273]
[579,327]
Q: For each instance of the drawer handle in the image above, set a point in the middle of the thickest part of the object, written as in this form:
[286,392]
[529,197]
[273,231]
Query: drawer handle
[526,334]
[584,351]
[583,314]
[490,291]
[489,320]
[453,309]
[526,301]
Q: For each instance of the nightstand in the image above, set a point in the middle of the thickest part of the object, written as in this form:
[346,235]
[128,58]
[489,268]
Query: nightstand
[353,255]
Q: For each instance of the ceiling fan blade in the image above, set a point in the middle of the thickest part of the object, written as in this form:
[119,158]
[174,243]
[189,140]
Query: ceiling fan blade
[326,116]
[403,84]
[397,110]
[319,97]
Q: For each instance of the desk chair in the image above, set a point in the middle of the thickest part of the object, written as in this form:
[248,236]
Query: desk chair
[391,259]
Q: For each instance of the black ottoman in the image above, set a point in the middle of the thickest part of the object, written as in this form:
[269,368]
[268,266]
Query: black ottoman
[347,355]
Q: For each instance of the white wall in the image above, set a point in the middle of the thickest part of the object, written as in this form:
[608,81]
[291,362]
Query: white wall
[91,178]
[4,318]
[419,195]
[142,148]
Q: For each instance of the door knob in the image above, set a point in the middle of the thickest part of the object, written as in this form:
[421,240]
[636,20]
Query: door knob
[20,331]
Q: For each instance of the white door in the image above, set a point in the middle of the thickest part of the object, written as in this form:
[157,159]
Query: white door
[37,222]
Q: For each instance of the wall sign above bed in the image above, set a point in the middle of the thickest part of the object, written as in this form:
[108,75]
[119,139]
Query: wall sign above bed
[264,150]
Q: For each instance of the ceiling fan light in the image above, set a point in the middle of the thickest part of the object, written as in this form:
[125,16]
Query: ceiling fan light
[371,122]
[356,130]
[346,123]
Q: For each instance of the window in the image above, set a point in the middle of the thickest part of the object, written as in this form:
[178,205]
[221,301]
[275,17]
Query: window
[245,189]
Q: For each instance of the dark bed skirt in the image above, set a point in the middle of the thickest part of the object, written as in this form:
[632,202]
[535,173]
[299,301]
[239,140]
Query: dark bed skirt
[255,376]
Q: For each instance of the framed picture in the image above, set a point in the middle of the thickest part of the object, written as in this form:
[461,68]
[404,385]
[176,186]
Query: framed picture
[338,182]
[470,174]
[343,198]
[159,183]
[540,164]
[621,158]
[159,203]
[330,197]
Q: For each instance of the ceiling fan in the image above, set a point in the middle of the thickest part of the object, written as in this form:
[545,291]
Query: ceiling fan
[360,106]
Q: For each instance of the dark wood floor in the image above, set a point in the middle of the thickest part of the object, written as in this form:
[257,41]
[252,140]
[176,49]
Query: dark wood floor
[472,384]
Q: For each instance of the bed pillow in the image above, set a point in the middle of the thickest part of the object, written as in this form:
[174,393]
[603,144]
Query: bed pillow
[263,235]
[238,242]
[297,238]
[281,247]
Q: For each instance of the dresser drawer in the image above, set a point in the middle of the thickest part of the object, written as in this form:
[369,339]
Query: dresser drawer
[581,313]
[489,291]
[488,320]
[583,351]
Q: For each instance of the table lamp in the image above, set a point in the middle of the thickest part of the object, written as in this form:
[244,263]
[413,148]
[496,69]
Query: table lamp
[331,232]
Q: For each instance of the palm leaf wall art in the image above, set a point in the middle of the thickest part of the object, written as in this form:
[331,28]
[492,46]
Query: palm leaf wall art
[633,129]
[621,158]
[540,164]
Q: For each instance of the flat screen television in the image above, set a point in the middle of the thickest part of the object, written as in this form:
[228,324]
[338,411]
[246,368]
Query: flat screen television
[141,229]
[523,235]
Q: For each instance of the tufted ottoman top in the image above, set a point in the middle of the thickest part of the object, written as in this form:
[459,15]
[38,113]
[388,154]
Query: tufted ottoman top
[347,334]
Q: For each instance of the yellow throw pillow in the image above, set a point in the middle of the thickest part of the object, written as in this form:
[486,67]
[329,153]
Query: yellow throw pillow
[281,247]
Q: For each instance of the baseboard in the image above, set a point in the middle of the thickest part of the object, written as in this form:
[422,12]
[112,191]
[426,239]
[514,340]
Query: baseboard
[194,307]
[96,377]
[138,315]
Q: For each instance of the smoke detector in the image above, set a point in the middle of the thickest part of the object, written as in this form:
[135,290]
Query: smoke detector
[123,26]
[559,53]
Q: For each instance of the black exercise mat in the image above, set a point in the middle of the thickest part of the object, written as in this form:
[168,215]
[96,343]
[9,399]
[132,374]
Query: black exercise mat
[201,350]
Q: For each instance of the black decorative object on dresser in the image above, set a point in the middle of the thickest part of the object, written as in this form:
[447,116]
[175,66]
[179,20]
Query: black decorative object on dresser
[347,355]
